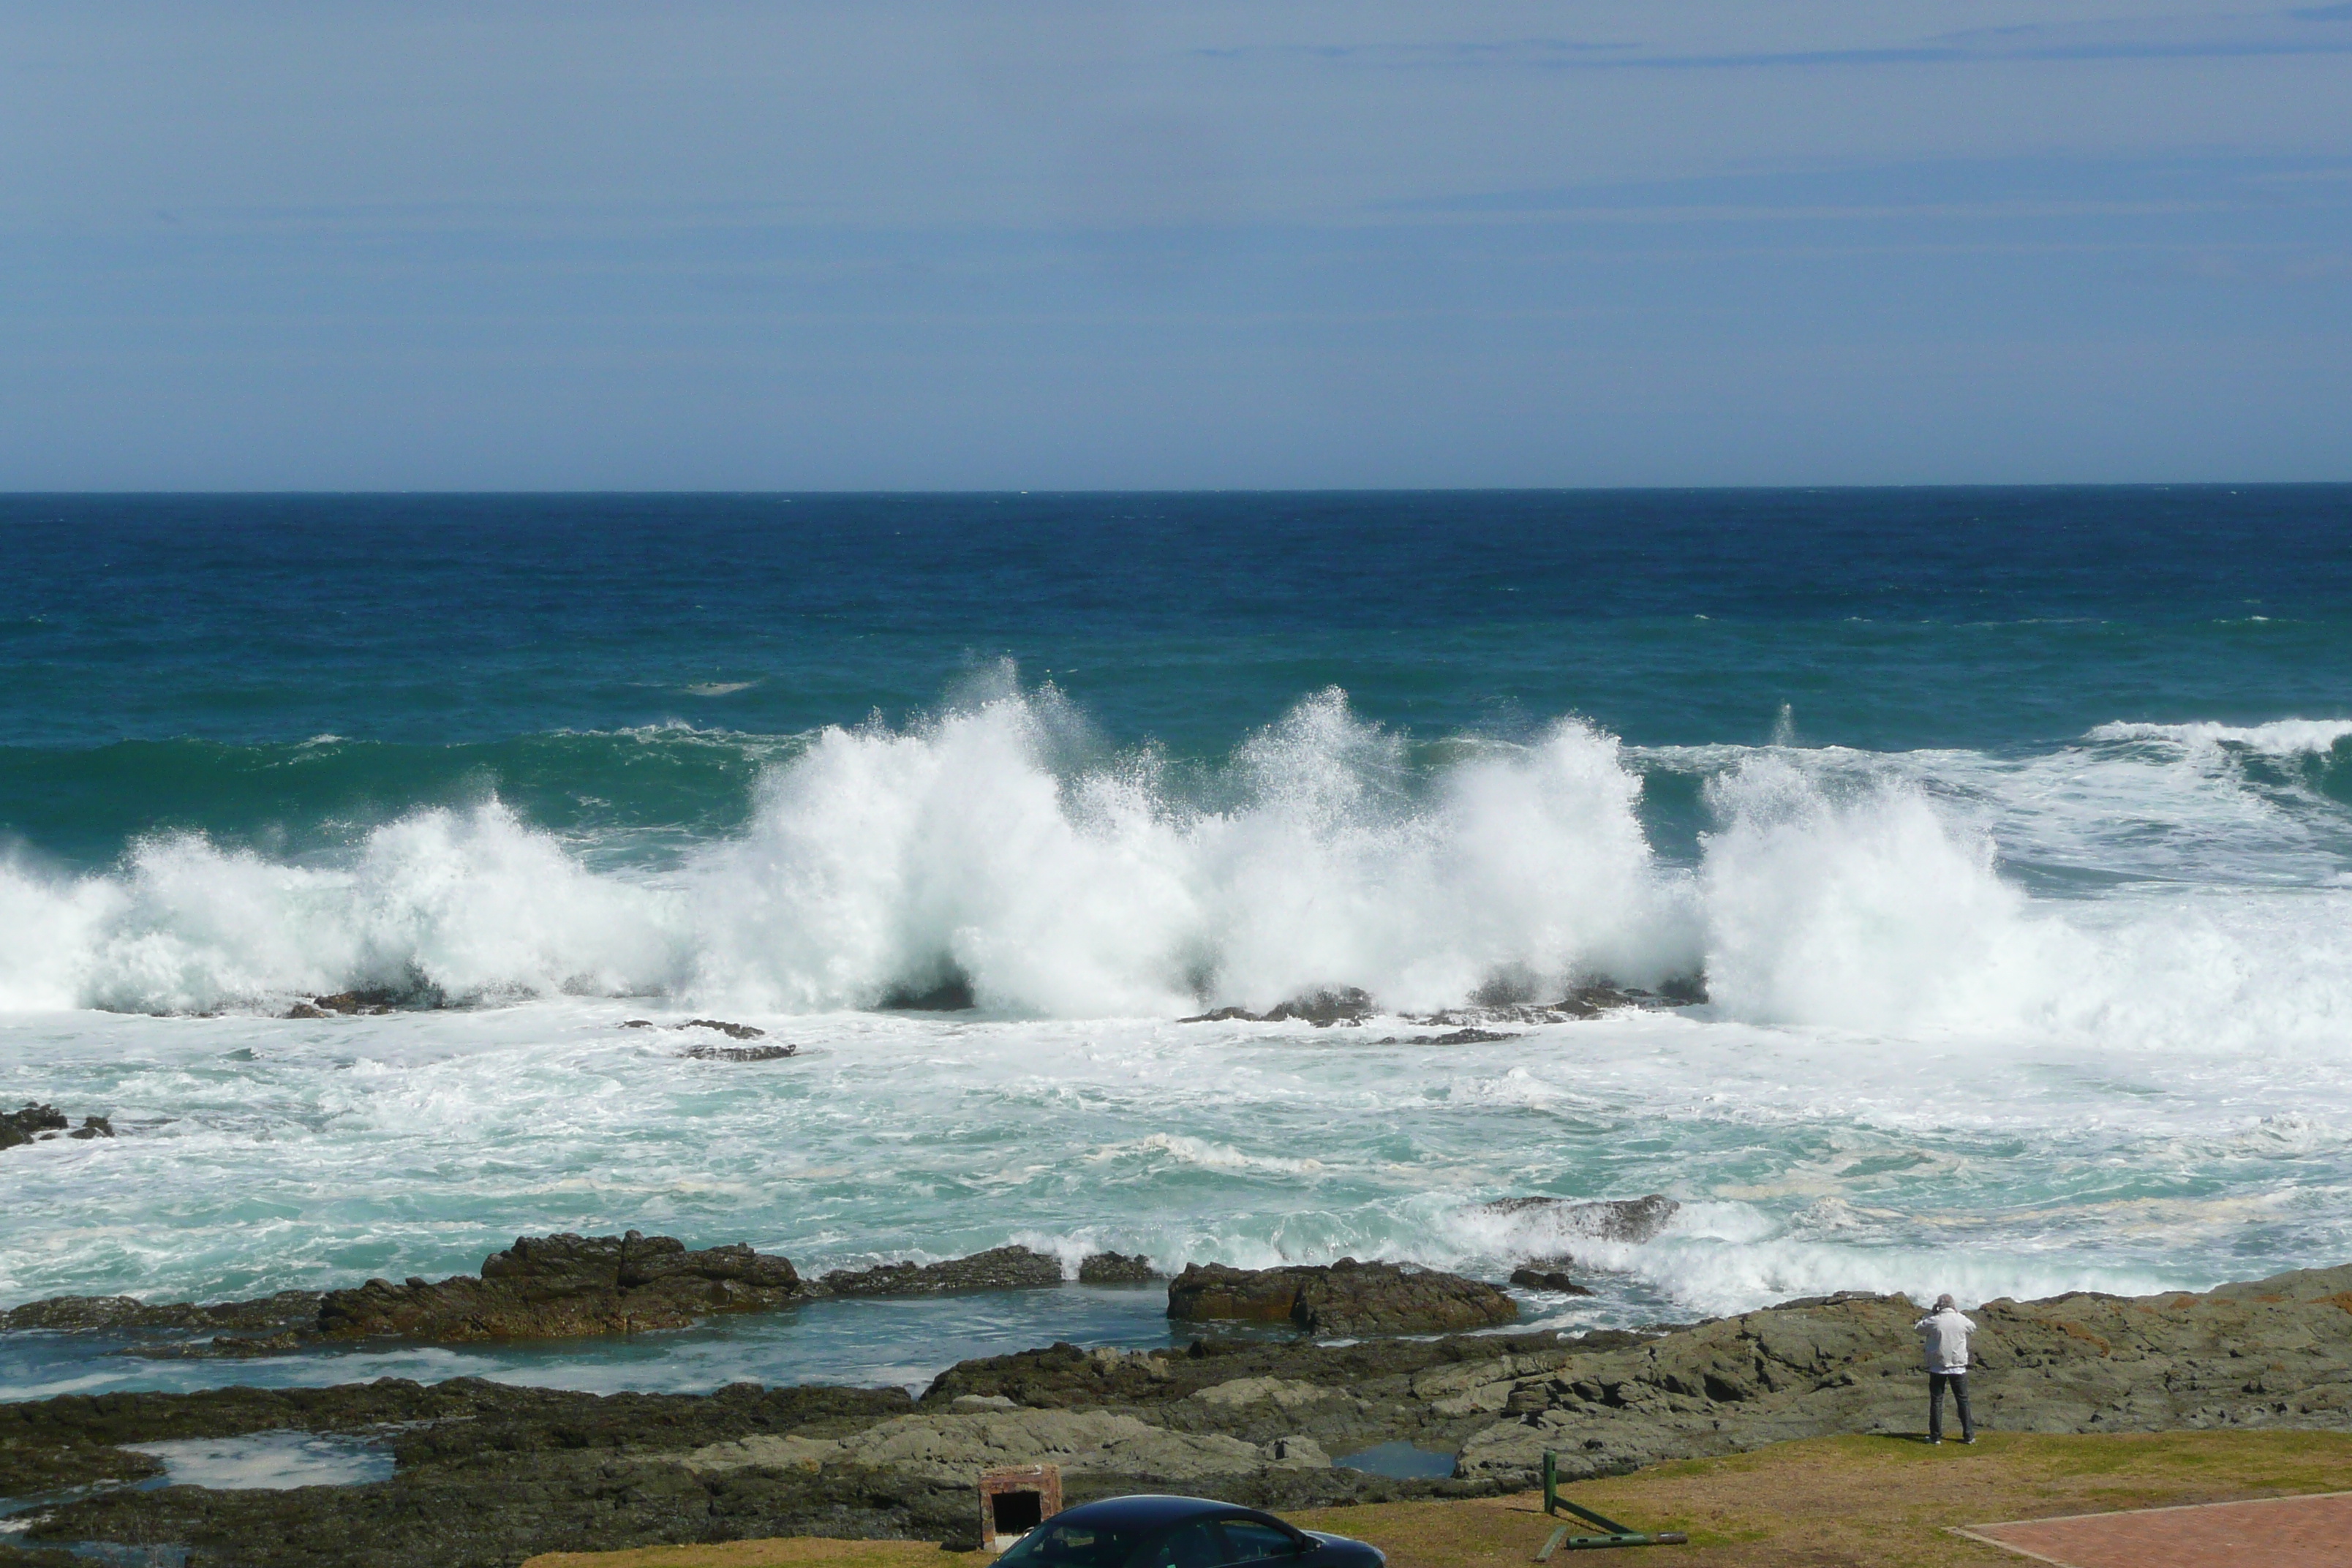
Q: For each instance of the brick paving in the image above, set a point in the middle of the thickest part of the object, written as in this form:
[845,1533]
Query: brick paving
[2274,1532]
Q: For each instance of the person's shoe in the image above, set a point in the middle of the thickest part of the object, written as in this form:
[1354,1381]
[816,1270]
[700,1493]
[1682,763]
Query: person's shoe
[1935,1442]
[1969,1440]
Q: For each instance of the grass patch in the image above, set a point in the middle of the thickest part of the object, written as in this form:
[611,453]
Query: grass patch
[1826,1502]
[789,1552]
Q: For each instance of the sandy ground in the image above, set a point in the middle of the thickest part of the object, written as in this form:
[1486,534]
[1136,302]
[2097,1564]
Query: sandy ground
[1871,1502]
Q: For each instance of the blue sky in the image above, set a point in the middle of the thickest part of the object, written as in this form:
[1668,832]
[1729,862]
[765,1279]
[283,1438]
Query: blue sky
[963,244]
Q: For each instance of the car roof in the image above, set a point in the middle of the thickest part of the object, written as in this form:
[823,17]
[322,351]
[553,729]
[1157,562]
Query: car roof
[1151,1511]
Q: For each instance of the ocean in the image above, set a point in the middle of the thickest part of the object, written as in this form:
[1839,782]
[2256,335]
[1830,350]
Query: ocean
[2010,831]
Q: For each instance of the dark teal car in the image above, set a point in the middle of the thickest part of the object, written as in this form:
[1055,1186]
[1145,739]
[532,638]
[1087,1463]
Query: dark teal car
[1180,1532]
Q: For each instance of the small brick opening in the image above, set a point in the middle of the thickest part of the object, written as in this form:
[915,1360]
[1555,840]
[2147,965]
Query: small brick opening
[1016,1499]
[1017,1513]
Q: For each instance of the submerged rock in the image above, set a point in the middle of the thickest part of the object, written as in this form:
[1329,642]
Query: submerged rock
[999,1268]
[1618,1220]
[732,1031]
[1458,1037]
[739,1053]
[1343,1298]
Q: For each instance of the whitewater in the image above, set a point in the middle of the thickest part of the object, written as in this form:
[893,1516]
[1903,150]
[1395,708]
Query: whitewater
[2002,1024]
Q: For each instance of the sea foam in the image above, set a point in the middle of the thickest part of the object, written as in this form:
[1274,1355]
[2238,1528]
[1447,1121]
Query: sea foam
[1000,847]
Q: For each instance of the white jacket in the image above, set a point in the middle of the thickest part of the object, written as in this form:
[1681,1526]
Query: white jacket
[1945,1337]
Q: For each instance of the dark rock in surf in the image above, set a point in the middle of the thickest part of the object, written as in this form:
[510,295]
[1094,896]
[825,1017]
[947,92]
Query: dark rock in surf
[222,1347]
[1458,1037]
[1346,1298]
[84,1314]
[1548,1274]
[354,1002]
[732,1031]
[417,993]
[739,1053]
[1619,1219]
[94,1127]
[999,1268]
[1323,1009]
[30,1124]
[564,1287]
[1117,1268]
[952,994]
[1591,1001]
[1683,991]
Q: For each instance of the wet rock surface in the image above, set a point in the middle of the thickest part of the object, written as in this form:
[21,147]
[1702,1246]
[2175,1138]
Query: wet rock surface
[486,1474]
[562,1287]
[550,1287]
[78,1314]
[1344,1297]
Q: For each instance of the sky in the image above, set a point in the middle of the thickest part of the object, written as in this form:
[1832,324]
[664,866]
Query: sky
[959,244]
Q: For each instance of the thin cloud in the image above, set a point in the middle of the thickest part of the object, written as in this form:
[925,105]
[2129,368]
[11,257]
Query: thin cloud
[2307,30]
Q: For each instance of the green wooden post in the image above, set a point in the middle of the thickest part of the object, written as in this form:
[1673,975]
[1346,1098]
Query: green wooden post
[1618,1535]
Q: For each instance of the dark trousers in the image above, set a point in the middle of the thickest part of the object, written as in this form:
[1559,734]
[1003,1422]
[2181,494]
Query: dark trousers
[1958,1382]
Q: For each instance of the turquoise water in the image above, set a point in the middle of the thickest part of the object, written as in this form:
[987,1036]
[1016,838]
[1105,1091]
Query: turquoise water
[2008,828]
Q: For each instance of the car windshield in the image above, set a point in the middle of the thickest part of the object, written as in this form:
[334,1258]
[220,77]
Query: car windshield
[1058,1543]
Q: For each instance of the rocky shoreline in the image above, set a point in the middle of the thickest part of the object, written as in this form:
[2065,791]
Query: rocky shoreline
[572,1287]
[486,1474]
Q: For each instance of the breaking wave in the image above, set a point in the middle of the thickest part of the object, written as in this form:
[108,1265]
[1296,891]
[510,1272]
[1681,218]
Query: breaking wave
[1000,849]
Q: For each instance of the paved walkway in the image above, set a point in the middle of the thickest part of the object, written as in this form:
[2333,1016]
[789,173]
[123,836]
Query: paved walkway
[2274,1532]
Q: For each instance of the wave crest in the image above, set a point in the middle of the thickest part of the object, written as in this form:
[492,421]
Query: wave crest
[1000,849]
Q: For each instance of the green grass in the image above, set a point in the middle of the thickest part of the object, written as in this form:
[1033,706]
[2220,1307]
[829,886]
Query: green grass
[1822,1503]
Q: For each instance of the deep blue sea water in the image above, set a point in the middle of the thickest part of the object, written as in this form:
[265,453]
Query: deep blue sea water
[2012,831]
[161,652]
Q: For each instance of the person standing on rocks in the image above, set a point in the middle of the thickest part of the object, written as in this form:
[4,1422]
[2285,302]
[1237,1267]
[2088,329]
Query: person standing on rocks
[1944,1334]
